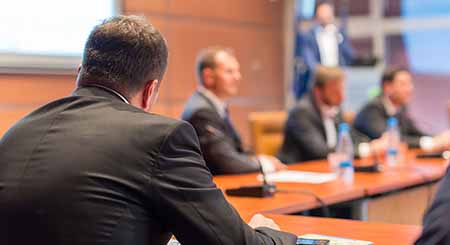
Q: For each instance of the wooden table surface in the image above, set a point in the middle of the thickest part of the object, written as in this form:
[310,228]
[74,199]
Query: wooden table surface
[378,233]
[291,199]
[294,197]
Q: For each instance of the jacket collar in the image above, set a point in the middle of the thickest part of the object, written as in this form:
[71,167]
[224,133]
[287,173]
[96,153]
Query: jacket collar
[216,102]
[97,90]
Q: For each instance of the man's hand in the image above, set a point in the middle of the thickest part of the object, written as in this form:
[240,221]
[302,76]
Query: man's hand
[273,161]
[441,141]
[259,220]
[379,146]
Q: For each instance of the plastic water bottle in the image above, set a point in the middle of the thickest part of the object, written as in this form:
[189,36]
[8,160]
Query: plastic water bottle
[393,138]
[344,149]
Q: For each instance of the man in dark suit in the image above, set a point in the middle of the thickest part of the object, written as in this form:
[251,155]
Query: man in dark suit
[397,88]
[96,168]
[311,128]
[325,43]
[436,223]
[219,76]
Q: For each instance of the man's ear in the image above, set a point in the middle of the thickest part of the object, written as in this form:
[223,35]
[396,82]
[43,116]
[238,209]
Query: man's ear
[150,94]
[208,78]
[387,89]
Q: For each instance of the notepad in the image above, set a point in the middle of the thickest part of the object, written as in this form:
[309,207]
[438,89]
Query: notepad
[173,242]
[337,240]
[299,177]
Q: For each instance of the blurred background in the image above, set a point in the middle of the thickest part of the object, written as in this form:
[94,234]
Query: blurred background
[41,44]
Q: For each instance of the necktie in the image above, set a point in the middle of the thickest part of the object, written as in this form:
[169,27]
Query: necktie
[231,131]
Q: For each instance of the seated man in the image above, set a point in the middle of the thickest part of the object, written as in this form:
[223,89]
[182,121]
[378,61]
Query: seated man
[96,168]
[311,128]
[397,89]
[219,76]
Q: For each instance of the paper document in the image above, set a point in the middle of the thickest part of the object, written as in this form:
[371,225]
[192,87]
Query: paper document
[336,240]
[299,177]
[173,242]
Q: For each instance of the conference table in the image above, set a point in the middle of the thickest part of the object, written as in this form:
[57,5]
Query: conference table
[391,203]
[397,195]
[378,233]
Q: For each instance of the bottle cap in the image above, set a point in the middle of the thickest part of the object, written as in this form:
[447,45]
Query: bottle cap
[392,122]
[343,127]
[345,164]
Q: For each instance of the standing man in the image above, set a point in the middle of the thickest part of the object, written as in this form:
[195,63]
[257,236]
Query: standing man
[325,43]
[97,168]
[397,88]
[218,79]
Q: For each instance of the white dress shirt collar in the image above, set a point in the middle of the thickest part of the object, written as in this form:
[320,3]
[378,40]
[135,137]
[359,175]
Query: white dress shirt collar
[218,104]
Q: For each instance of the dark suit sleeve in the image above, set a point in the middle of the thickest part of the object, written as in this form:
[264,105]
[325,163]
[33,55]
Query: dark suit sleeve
[357,138]
[307,135]
[190,206]
[218,148]
[411,133]
[436,225]
[309,51]
[371,122]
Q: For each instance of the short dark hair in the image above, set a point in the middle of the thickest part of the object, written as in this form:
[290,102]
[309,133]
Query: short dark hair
[389,75]
[123,53]
[324,74]
[206,58]
[320,3]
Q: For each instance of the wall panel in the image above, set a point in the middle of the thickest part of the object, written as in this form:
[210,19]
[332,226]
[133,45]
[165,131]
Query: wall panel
[253,28]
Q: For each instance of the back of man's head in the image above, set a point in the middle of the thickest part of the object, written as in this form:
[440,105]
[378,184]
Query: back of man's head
[324,75]
[123,53]
[207,59]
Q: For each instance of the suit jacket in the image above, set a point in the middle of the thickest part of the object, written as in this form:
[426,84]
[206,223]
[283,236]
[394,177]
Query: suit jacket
[311,51]
[436,222]
[91,169]
[308,57]
[371,121]
[219,141]
[304,133]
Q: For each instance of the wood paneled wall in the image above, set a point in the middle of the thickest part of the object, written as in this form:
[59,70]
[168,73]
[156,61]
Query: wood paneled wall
[253,28]
[20,94]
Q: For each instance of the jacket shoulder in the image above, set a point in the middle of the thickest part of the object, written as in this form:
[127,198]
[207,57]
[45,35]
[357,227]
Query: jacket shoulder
[304,107]
[195,104]
[374,104]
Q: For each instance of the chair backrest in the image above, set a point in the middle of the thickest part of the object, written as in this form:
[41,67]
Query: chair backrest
[267,131]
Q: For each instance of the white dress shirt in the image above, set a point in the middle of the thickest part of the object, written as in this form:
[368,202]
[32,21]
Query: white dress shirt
[328,117]
[328,41]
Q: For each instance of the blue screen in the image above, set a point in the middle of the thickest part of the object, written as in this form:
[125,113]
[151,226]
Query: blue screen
[427,49]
